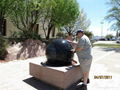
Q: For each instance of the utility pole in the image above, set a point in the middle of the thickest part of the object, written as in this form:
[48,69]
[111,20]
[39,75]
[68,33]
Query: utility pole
[102,29]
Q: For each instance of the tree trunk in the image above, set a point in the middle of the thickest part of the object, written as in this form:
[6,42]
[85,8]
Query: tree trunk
[34,28]
[50,27]
[2,27]
[53,32]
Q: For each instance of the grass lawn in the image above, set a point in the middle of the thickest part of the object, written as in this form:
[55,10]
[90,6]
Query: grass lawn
[108,45]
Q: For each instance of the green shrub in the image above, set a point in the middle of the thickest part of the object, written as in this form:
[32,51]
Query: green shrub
[3,46]
[15,37]
[31,35]
[89,34]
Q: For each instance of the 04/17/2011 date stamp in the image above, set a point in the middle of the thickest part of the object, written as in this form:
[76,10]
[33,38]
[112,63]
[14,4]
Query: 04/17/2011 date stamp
[102,77]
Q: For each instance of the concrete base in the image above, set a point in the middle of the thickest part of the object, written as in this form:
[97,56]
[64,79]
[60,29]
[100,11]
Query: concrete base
[61,77]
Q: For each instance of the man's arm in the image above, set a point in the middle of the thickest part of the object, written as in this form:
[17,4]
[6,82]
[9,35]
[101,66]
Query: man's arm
[80,45]
[78,49]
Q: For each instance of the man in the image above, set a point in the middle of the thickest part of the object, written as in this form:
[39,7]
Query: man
[83,51]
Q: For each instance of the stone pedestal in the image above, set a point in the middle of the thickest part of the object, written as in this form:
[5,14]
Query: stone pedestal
[61,77]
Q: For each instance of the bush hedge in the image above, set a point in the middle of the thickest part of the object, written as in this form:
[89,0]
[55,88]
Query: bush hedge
[3,46]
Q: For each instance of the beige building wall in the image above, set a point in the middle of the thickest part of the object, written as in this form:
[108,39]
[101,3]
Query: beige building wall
[10,28]
[41,31]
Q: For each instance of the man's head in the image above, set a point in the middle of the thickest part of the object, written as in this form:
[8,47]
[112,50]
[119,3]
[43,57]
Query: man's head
[79,33]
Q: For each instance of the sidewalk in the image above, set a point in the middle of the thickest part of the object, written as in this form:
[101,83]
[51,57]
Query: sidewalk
[105,63]
[14,75]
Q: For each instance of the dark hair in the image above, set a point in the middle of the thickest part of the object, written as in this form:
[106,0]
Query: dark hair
[66,35]
[79,31]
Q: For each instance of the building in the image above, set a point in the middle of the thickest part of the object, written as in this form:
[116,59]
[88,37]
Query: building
[9,28]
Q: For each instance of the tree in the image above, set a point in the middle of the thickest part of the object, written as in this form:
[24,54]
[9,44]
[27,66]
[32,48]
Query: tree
[89,34]
[114,14]
[60,13]
[69,28]
[80,23]
[26,14]
[110,36]
[5,6]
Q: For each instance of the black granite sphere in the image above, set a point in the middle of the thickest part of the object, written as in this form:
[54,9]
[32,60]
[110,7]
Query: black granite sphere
[59,53]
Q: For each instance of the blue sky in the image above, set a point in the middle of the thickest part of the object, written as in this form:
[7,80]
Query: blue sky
[96,10]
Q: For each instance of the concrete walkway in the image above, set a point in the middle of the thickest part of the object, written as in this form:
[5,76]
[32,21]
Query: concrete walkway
[106,62]
[14,75]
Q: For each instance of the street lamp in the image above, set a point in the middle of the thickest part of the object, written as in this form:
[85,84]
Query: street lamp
[102,29]
[107,31]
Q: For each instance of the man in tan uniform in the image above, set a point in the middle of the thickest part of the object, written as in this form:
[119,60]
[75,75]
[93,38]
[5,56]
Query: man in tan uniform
[83,51]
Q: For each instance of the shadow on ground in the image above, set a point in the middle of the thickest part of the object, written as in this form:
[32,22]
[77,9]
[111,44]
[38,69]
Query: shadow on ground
[40,85]
[111,49]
